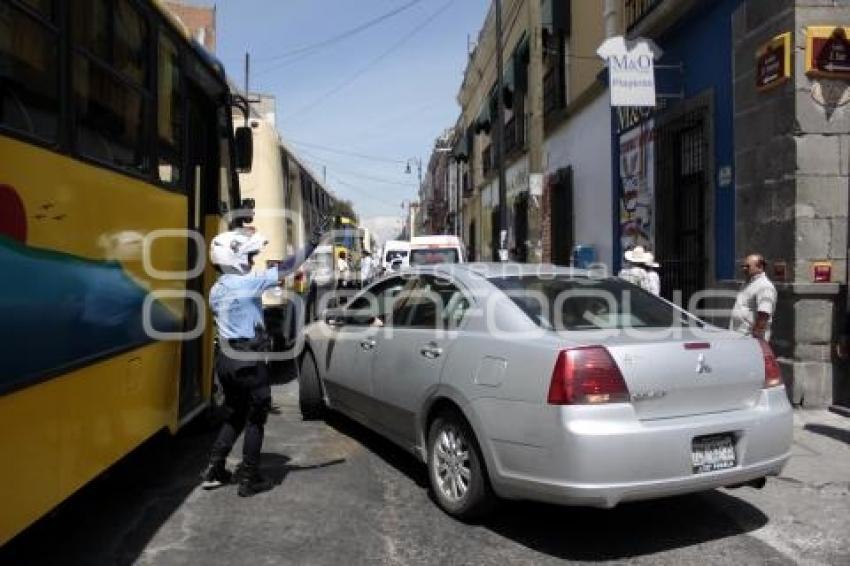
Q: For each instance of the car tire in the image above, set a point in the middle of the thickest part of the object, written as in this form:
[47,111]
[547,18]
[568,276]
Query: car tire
[454,461]
[310,398]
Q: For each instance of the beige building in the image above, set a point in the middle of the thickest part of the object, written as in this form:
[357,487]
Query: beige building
[550,75]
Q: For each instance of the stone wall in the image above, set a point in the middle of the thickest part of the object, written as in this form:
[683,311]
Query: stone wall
[792,155]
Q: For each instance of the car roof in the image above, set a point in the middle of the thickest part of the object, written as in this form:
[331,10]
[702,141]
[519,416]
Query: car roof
[469,273]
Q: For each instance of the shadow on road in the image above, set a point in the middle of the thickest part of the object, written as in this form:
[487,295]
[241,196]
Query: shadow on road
[577,533]
[380,446]
[276,467]
[627,531]
[112,519]
[835,433]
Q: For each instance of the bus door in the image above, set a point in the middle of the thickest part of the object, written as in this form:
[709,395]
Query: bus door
[201,180]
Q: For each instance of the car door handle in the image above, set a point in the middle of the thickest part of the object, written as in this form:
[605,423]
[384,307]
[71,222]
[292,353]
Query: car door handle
[368,345]
[431,351]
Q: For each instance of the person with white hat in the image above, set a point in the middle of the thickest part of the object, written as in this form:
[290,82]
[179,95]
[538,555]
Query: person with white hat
[236,303]
[653,278]
[634,271]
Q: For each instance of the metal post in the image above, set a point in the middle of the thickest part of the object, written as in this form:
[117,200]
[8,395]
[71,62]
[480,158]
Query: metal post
[535,127]
[458,199]
[500,138]
[247,72]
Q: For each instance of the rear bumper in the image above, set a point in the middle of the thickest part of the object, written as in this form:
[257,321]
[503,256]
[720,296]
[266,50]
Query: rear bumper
[602,456]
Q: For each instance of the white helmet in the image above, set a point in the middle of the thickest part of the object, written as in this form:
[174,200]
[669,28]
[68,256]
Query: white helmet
[232,251]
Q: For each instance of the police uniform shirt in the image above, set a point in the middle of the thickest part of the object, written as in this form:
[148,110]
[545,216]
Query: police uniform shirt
[758,295]
[236,302]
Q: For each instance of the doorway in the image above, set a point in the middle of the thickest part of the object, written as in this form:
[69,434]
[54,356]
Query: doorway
[561,220]
[202,168]
[681,211]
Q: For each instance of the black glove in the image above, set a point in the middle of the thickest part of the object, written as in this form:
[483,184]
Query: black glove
[322,227]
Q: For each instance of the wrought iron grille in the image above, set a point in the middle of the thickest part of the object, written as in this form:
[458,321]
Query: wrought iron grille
[681,217]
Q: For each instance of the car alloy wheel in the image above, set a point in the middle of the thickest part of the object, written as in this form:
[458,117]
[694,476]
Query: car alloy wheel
[451,458]
[456,469]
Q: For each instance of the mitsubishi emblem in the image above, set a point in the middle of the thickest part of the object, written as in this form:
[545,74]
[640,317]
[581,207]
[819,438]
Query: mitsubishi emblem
[702,367]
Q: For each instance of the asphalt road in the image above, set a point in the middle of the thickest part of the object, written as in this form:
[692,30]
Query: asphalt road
[345,496]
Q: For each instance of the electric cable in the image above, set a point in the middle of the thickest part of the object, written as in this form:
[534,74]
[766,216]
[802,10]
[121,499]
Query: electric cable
[348,81]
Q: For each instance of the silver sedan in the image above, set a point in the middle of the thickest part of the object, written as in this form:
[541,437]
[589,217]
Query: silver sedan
[552,385]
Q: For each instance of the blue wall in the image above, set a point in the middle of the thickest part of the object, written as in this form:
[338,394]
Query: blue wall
[702,42]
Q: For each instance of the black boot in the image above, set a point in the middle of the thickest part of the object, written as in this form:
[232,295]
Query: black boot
[251,482]
[215,475]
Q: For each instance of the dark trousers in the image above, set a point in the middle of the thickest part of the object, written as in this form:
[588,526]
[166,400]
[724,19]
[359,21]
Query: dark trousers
[247,398]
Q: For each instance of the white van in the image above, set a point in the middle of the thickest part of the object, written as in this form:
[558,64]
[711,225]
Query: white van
[430,250]
[395,256]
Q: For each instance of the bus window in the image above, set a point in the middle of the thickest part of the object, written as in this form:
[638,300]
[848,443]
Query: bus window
[29,91]
[109,75]
[227,189]
[170,113]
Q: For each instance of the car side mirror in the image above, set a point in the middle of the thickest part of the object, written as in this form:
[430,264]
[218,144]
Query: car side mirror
[244,149]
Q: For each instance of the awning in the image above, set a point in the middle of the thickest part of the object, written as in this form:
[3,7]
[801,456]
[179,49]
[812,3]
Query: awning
[460,151]
[484,119]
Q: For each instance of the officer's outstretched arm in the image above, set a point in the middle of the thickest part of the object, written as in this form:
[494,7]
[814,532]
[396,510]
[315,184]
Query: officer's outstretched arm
[293,262]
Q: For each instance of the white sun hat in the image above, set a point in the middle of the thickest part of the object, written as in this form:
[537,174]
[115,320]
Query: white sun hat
[639,255]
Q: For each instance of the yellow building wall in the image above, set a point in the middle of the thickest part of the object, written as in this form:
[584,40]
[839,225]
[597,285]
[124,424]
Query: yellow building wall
[588,33]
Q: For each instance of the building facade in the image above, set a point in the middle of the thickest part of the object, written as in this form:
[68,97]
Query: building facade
[746,151]
[550,77]
[792,149]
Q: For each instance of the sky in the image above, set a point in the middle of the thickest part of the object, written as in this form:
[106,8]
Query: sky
[386,92]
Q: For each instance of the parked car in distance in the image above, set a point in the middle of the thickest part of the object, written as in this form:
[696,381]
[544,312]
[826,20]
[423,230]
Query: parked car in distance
[561,388]
[433,250]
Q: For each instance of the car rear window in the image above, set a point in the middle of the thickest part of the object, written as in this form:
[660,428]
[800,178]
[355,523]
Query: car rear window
[433,256]
[580,303]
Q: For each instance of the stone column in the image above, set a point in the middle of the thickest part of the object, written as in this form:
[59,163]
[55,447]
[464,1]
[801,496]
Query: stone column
[792,178]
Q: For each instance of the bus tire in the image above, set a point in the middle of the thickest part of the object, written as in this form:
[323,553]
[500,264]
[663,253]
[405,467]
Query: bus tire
[310,398]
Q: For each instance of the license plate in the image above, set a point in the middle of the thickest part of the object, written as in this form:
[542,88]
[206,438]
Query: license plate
[712,453]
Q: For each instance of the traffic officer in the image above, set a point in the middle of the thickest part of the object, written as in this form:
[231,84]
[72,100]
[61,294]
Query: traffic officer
[236,304]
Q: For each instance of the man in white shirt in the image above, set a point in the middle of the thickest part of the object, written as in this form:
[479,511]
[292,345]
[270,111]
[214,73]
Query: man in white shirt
[652,276]
[753,312]
[366,268]
[343,270]
[633,270]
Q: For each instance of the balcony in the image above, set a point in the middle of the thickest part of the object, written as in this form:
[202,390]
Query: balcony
[637,10]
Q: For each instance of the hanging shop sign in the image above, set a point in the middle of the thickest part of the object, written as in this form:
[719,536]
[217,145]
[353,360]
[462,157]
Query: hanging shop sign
[631,70]
[773,62]
[637,186]
[828,52]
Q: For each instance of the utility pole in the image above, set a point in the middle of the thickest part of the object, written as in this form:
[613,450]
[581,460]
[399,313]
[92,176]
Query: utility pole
[535,126]
[500,138]
[247,72]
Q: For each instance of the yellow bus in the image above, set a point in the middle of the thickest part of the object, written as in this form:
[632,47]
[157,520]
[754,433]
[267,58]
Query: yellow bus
[115,139]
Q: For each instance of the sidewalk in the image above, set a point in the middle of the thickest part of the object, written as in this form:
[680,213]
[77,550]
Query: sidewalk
[809,503]
[821,451]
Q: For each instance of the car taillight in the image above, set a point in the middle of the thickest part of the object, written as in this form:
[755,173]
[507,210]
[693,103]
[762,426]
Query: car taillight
[587,376]
[772,373]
